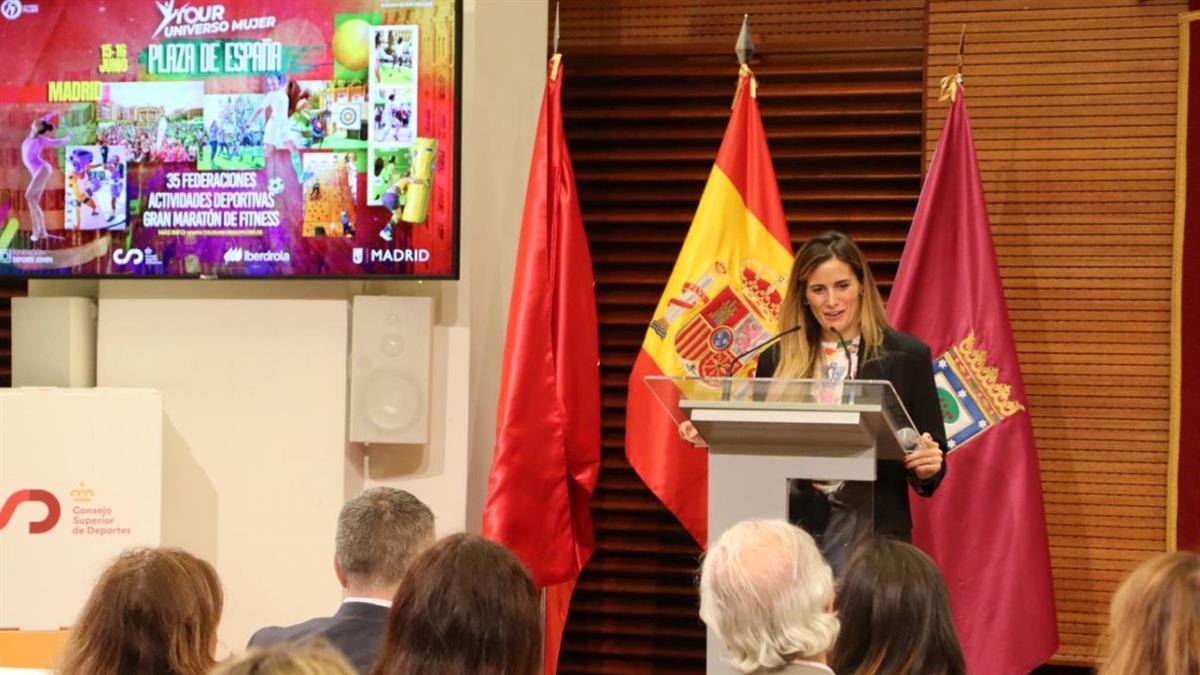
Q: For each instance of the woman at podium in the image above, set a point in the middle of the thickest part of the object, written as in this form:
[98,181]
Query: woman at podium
[840,332]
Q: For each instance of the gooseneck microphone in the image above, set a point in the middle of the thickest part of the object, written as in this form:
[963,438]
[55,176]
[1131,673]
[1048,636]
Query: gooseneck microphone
[758,347]
[850,370]
[762,345]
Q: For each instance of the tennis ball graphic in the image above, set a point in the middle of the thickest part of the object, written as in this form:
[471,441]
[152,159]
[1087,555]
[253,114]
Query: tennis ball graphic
[351,44]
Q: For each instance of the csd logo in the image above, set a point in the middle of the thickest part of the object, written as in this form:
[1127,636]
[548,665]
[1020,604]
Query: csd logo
[131,256]
[53,510]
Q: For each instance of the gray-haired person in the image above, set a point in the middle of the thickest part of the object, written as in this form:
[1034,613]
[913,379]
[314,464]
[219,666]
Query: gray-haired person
[767,593]
[378,533]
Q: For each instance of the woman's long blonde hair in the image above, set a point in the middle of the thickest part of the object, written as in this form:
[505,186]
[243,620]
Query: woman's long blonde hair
[800,352]
[312,657]
[154,611]
[1154,621]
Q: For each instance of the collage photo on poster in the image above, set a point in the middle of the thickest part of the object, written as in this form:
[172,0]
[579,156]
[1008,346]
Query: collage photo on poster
[262,139]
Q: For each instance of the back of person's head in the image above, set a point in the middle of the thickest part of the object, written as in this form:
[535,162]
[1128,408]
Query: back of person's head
[1154,621]
[312,657]
[766,592]
[154,611]
[378,534]
[466,607]
[895,614]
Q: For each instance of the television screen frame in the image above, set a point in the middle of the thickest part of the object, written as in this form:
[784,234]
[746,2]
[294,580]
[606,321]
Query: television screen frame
[90,172]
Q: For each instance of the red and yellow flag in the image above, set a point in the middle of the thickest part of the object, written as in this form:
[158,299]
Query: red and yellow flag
[723,298]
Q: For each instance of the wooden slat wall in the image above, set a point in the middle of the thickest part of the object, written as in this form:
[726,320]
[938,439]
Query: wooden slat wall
[621,27]
[647,96]
[9,289]
[1073,108]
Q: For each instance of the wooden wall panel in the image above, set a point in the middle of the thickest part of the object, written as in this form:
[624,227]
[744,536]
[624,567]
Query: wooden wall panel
[1073,109]
[620,26]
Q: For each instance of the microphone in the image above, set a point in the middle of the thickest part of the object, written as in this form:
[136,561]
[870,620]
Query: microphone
[909,439]
[765,343]
[850,371]
[738,358]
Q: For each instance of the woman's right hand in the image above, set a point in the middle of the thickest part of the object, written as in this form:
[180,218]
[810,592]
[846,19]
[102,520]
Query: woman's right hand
[688,432]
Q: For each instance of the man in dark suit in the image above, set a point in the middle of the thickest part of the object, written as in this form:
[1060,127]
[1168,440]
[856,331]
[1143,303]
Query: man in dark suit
[378,533]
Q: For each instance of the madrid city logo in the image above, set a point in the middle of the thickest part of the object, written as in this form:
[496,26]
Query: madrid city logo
[10,9]
[53,509]
[13,9]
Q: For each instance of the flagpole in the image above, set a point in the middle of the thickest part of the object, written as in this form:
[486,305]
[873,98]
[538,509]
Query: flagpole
[556,57]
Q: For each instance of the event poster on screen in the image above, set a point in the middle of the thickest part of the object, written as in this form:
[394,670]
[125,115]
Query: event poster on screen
[246,138]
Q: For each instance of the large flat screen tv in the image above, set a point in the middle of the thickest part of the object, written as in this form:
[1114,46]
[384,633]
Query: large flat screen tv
[244,138]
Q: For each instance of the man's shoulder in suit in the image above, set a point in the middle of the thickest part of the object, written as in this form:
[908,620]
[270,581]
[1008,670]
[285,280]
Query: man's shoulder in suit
[270,635]
[356,631]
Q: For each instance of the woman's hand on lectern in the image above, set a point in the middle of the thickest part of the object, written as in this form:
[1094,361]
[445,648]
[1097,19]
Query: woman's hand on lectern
[926,460]
[687,431]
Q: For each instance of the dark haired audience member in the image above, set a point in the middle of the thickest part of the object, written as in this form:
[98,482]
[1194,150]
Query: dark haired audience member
[379,532]
[466,607]
[895,614]
[154,611]
[1154,621]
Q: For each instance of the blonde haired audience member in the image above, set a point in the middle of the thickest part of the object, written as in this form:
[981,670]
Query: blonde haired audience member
[767,593]
[154,611]
[1154,621]
[314,657]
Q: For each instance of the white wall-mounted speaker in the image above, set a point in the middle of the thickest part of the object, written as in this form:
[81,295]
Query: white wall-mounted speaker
[54,342]
[391,344]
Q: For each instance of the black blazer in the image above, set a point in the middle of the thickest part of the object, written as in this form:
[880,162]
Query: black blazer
[356,631]
[906,362]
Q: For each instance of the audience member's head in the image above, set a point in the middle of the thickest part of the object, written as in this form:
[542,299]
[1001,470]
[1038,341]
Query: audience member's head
[466,607]
[1154,622]
[378,534]
[314,657]
[895,614]
[766,592]
[154,611]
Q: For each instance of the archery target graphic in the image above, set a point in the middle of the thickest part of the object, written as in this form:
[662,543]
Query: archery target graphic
[348,115]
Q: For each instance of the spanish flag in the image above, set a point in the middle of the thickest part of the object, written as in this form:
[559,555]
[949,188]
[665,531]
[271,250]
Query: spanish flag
[723,298]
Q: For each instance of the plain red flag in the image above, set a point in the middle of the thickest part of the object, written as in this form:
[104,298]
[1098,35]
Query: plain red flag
[723,297]
[986,525]
[547,455]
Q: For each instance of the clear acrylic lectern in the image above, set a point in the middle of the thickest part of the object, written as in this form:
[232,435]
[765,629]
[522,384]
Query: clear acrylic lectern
[763,432]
